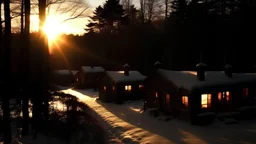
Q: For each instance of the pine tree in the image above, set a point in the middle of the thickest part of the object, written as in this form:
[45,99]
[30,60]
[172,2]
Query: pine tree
[96,21]
[178,7]
[106,18]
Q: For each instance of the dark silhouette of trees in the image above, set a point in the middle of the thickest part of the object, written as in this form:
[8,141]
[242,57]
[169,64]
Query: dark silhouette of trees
[5,81]
[24,74]
[213,31]
[107,18]
[40,78]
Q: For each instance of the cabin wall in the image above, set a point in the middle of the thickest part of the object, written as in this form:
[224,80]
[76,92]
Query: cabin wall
[135,93]
[64,80]
[157,91]
[92,80]
[106,93]
[219,102]
[89,80]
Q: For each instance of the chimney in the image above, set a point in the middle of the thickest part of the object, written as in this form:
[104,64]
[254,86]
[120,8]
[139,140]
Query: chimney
[201,67]
[157,65]
[126,69]
[228,70]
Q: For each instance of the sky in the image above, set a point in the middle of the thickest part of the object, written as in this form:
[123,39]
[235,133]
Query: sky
[75,26]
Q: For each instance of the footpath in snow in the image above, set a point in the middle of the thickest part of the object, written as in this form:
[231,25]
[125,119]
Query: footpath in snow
[127,124]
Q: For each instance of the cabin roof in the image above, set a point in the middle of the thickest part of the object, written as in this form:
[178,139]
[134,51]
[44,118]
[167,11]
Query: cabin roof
[188,79]
[119,76]
[63,72]
[89,69]
[74,72]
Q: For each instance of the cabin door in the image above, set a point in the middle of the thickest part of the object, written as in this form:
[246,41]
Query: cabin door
[224,101]
[167,103]
[161,100]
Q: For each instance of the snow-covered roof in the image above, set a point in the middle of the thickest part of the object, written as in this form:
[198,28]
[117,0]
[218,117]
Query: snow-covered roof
[63,72]
[157,63]
[119,76]
[189,81]
[74,72]
[126,65]
[89,69]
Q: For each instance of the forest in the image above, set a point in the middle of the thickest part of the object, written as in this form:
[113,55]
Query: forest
[179,33]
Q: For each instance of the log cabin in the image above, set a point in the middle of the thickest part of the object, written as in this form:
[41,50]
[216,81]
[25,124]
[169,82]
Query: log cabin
[120,86]
[89,77]
[63,77]
[191,95]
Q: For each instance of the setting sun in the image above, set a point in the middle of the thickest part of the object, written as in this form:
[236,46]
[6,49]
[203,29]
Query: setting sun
[52,28]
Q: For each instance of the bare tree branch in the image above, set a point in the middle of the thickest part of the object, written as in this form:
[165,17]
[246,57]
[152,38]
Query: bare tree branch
[77,16]
[71,8]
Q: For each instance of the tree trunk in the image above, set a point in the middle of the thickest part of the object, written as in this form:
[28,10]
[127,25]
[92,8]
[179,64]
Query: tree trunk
[22,17]
[166,9]
[25,69]
[1,27]
[25,114]
[40,65]
[7,73]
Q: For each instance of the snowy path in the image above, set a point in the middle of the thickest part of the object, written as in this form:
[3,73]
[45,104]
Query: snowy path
[126,124]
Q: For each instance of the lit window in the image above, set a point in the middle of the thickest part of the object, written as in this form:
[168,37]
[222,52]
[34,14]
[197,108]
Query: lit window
[168,99]
[227,95]
[219,96]
[77,79]
[113,87]
[245,92]
[185,100]
[140,86]
[105,88]
[206,100]
[156,94]
[128,87]
[224,95]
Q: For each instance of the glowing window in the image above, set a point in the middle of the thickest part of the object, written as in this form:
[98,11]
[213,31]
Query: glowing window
[167,99]
[219,96]
[113,88]
[128,87]
[156,94]
[206,100]
[185,100]
[227,95]
[224,95]
[105,88]
[245,92]
[140,86]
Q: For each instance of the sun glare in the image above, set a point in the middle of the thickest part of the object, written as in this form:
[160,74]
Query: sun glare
[52,28]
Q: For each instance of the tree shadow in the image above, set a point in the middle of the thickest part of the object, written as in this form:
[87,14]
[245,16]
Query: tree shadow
[180,131]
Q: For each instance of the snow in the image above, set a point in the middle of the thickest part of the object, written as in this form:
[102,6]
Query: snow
[63,72]
[188,79]
[74,72]
[157,63]
[119,76]
[89,69]
[128,124]
[126,65]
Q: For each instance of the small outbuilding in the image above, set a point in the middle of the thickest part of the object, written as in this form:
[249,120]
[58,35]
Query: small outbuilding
[120,86]
[63,77]
[89,77]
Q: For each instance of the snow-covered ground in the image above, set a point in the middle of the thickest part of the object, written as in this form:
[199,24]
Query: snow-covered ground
[127,124]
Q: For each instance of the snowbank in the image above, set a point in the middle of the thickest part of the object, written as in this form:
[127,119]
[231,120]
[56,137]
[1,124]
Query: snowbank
[126,124]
